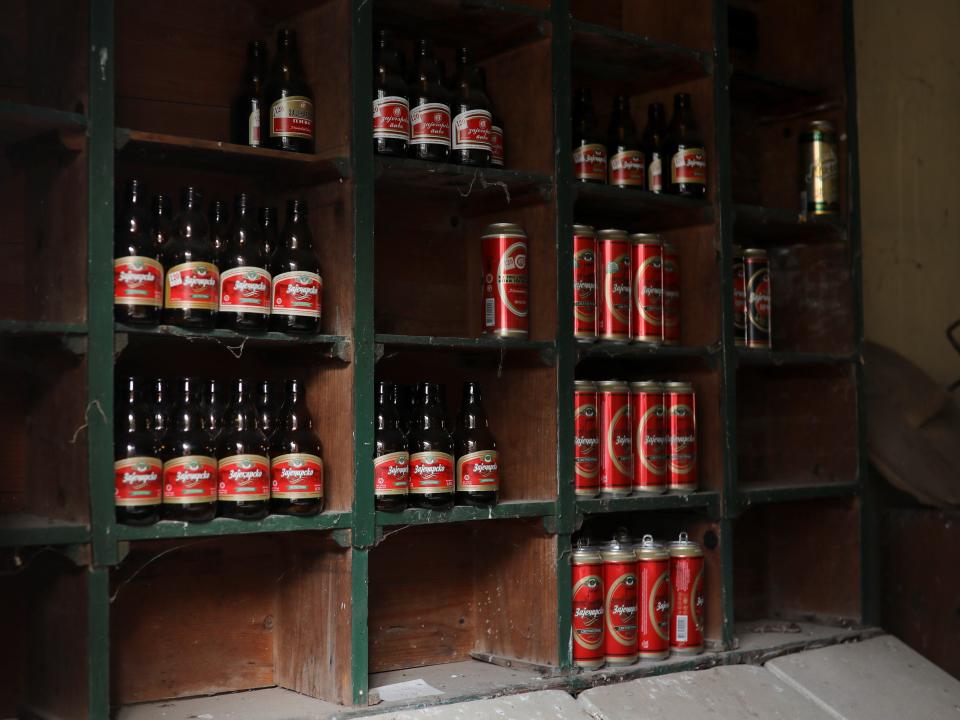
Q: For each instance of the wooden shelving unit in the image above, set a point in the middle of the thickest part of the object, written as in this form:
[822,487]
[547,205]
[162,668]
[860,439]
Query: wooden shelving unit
[103,617]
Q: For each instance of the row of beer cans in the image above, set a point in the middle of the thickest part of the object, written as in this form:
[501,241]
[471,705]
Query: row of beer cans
[626,288]
[637,601]
[637,437]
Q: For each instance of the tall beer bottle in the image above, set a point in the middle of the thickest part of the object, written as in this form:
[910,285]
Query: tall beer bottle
[192,287]
[137,468]
[189,463]
[214,407]
[296,458]
[624,155]
[137,273]
[478,465]
[297,286]
[219,226]
[269,403]
[245,114]
[589,149]
[391,102]
[267,222]
[160,225]
[159,407]
[431,452]
[430,114]
[243,459]
[245,283]
[653,143]
[391,460]
[288,100]
[472,122]
[688,158]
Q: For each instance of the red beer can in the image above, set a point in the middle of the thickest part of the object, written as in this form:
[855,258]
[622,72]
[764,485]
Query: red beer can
[739,298]
[613,274]
[653,599]
[616,445]
[586,440]
[505,281]
[681,408]
[584,283]
[646,319]
[588,613]
[620,603]
[671,295]
[687,599]
[649,437]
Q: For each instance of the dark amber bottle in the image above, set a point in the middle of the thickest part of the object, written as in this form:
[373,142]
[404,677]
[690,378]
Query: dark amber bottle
[243,459]
[472,122]
[137,468]
[391,459]
[192,287]
[688,158]
[431,452]
[589,148]
[297,287]
[137,272]
[288,100]
[189,462]
[653,143]
[391,102]
[296,457]
[246,112]
[624,154]
[245,283]
[430,111]
[478,462]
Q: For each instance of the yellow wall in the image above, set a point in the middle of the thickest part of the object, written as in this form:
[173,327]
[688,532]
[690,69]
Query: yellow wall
[908,77]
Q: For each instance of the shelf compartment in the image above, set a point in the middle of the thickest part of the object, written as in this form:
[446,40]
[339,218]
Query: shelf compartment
[22,123]
[670,501]
[264,609]
[166,529]
[637,210]
[651,21]
[543,349]
[747,357]
[761,494]
[24,530]
[636,351]
[510,510]
[777,226]
[769,97]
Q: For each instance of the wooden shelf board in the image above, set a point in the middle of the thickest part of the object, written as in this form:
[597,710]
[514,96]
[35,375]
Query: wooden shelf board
[761,494]
[20,122]
[769,98]
[636,210]
[606,53]
[21,530]
[164,529]
[779,226]
[670,501]
[463,513]
[747,357]
[631,351]
[483,344]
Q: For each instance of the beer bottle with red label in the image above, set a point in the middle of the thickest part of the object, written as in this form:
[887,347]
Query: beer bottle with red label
[654,147]
[267,222]
[269,404]
[161,221]
[296,458]
[245,284]
[431,452]
[624,155]
[192,288]
[245,114]
[288,100]
[478,462]
[243,459]
[470,128]
[214,408]
[497,138]
[391,460]
[158,405]
[297,286]
[137,273]
[430,115]
[688,159]
[189,463]
[219,225]
[391,101]
[589,150]
[137,469]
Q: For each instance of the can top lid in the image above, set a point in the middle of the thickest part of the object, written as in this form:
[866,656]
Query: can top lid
[612,385]
[584,552]
[645,238]
[503,228]
[650,549]
[678,385]
[647,386]
[588,385]
[824,125]
[683,546]
[754,252]
[583,230]
[618,551]
[612,233]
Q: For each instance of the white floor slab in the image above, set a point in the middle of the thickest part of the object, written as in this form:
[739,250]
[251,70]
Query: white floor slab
[543,705]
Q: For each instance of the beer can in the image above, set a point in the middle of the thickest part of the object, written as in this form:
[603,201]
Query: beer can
[819,170]
[620,603]
[681,409]
[646,319]
[506,284]
[653,599]
[616,446]
[671,294]
[757,276]
[739,298]
[687,599]
[586,440]
[649,437]
[584,283]
[613,273]
[588,612]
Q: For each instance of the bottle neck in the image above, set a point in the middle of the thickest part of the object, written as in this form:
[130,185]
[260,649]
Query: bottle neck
[295,415]
[242,413]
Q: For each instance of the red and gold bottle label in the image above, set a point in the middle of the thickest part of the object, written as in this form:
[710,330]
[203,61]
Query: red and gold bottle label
[471,130]
[689,165]
[297,293]
[655,174]
[189,480]
[244,477]
[391,118]
[590,162]
[137,280]
[429,125]
[479,471]
[296,476]
[193,285]
[136,481]
[292,117]
[431,472]
[626,169]
[245,289]
[497,154]
[391,474]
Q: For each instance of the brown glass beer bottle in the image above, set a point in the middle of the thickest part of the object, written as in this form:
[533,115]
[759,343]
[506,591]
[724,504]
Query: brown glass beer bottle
[245,114]
[653,144]
[391,459]
[472,121]
[288,100]
[192,287]
[391,103]
[269,405]
[214,407]
[589,149]
[297,286]
[137,273]
[161,220]
[431,452]
[296,458]
[189,463]
[267,222]
[624,155]
[430,114]
[688,159]
[137,468]
[478,466]
[245,284]
[243,459]
[219,225]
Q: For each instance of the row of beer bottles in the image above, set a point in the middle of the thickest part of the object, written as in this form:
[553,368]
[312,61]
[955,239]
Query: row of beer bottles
[167,464]
[426,465]
[194,272]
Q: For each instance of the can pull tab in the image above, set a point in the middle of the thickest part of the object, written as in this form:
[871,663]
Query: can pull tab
[684,537]
[647,539]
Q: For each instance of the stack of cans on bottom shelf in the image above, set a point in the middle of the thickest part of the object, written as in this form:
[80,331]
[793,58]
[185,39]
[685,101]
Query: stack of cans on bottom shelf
[637,601]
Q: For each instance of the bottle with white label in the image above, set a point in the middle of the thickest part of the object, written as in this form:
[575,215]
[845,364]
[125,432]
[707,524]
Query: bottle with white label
[686,152]
[245,283]
[192,287]
[430,114]
[287,122]
[245,115]
[297,286]
[472,122]
[391,103]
